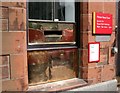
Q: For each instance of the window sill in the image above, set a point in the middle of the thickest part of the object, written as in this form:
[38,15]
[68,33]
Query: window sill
[59,85]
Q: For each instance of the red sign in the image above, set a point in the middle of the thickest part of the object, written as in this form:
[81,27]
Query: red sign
[102,23]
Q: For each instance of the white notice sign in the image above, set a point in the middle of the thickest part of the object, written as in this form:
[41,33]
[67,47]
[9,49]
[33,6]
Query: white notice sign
[94,52]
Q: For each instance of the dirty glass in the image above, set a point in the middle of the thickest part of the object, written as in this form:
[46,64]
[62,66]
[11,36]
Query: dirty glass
[40,10]
[61,10]
[52,65]
[64,11]
[51,33]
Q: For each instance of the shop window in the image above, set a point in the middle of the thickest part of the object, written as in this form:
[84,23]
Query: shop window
[51,41]
[51,23]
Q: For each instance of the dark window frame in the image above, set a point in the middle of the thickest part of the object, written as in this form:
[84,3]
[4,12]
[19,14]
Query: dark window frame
[55,46]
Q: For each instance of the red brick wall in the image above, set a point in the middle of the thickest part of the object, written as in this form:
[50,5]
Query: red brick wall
[13,17]
[105,69]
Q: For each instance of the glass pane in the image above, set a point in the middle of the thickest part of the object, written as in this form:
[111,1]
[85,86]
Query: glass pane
[51,33]
[40,10]
[48,66]
[65,11]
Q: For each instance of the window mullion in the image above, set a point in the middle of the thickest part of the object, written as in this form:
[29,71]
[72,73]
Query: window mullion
[53,10]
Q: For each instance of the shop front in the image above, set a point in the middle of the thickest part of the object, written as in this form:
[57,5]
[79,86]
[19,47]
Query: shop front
[45,43]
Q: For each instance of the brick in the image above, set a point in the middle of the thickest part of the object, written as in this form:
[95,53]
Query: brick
[13,42]
[104,44]
[95,7]
[117,63]
[0,4]
[17,18]
[22,4]
[104,59]
[112,57]
[92,64]
[25,64]
[108,72]
[84,40]
[84,22]
[104,55]
[112,60]
[110,0]
[14,85]
[4,60]
[112,39]
[4,25]
[4,12]
[26,81]
[111,10]
[84,72]
[114,24]
[5,72]
[84,7]
[0,43]
[92,81]
[95,73]
[1,62]
[104,51]
[4,67]
[90,22]
[91,38]
[17,65]
[84,57]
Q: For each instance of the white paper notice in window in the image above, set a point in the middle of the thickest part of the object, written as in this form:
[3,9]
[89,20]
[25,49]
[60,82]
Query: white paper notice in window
[94,52]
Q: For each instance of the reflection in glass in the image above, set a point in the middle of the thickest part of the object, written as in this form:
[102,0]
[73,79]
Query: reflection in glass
[54,11]
[48,66]
[40,10]
[65,11]
[51,33]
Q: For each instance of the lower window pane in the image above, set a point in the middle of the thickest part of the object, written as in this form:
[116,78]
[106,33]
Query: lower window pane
[52,65]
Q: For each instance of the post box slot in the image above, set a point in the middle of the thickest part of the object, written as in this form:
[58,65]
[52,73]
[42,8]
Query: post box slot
[52,32]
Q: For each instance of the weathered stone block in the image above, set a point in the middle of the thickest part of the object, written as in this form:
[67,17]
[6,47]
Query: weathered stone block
[4,12]
[4,67]
[108,72]
[4,25]
[17,18]
[13,42]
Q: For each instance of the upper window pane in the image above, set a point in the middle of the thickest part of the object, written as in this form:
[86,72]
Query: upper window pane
[55,11]
[64,11]
[40,10]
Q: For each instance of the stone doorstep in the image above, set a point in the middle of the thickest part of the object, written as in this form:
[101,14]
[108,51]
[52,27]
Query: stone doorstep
[59,85]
